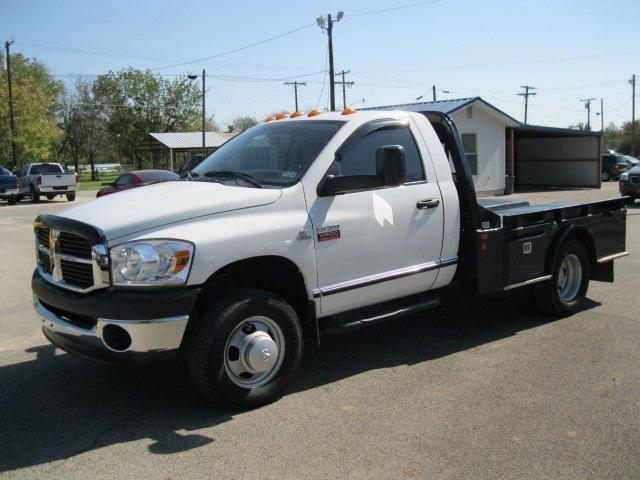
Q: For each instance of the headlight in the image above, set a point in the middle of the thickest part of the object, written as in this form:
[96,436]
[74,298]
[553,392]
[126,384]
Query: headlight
[149,263]
[624,177]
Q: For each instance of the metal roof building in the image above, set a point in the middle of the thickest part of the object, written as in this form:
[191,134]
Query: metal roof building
[503,153]
[164,146]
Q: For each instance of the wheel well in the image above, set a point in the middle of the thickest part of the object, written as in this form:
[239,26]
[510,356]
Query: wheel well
[580,234]
[277,275]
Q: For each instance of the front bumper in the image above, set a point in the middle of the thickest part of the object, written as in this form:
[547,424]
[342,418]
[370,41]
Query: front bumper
[121,327]
[629,189]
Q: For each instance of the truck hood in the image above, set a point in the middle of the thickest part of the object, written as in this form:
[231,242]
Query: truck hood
[148,207]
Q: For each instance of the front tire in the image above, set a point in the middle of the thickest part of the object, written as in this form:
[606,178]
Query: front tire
[245,348]
[564,293]
[71,197]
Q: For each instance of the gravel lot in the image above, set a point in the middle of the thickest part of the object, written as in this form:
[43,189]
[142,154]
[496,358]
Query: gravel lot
[476,389]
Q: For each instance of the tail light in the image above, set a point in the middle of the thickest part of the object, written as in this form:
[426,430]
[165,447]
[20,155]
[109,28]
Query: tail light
[77,178]
[38,180]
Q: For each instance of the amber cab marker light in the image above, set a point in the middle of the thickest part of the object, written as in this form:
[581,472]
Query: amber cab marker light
[296,114]
[313,112]
[348,111]
[270,118]
[281,116]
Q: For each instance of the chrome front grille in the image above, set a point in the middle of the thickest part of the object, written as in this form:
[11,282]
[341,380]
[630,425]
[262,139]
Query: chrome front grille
[70,261]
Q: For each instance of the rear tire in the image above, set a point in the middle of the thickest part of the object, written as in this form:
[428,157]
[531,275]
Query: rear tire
[50,197]
[606,176]
[71,197]
[35,196]
[217,366]
[564,293]
[12,200]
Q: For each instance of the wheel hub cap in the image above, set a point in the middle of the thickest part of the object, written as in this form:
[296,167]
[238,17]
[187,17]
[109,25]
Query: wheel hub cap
[254,352]
[569,278]
[260,352]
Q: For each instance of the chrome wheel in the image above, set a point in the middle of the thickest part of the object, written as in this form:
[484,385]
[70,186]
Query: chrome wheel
[254,352]
[569,278]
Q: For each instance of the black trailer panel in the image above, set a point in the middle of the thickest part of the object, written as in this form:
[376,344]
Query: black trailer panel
[516,243]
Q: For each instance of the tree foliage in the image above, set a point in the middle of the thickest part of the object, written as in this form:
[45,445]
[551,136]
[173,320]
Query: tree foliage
[37,102]
[240,124]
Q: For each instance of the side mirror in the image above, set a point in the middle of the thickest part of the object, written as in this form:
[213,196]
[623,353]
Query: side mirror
[391,165]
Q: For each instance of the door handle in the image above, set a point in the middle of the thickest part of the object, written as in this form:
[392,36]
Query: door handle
[427,203]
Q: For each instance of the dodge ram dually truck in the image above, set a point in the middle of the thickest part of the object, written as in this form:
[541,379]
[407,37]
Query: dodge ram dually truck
[318,223]
[49,180]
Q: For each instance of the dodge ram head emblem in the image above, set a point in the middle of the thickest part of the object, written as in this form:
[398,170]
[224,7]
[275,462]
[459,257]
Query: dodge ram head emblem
[54,235]
[265,355]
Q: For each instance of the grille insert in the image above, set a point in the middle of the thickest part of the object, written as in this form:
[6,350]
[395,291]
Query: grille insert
[43,236]
[45,261]
[75,245]
[80,274]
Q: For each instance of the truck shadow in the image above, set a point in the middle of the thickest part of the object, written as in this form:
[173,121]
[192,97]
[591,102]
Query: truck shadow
[57,406]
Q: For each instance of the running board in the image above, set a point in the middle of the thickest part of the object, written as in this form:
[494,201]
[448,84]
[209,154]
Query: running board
[379,313]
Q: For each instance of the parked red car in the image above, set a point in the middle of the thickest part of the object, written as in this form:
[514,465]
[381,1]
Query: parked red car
[138,178]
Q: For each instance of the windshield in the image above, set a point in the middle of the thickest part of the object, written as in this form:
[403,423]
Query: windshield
[272,153]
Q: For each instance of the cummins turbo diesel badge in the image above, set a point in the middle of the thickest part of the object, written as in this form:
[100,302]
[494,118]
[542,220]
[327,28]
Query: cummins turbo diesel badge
[330,232]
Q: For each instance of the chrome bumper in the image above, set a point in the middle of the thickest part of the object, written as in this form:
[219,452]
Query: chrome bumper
[146,336]
[69,189]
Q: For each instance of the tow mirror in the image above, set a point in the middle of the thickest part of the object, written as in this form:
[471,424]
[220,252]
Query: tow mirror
[391,165]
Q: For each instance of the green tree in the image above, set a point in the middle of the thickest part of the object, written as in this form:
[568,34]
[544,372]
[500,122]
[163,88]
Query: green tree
[37,101]
[240,124]
[136,103]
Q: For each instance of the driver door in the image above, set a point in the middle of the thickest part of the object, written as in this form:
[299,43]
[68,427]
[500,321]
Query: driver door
[379,243]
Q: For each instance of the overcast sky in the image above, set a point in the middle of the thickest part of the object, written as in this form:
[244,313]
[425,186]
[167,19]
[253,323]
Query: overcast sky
[568,49]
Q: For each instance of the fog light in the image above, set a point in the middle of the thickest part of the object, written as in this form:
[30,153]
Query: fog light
[116,338]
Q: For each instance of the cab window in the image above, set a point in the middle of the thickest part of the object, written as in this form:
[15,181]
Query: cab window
[361,159]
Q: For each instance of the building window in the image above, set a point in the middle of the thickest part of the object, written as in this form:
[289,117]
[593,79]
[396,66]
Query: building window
[469,112]
[470,144]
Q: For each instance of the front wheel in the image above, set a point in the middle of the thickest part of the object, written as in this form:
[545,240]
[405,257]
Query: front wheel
[71,197]
[564,293]
[245,348]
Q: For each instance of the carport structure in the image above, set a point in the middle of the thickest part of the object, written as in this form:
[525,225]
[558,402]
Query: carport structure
[544,157]
[165,148]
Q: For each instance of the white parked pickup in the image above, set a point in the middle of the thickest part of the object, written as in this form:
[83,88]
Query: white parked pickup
[301,227]
[47,180]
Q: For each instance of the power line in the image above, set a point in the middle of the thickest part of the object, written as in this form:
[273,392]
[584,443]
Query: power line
[390,9]
[244,47]
[587,106]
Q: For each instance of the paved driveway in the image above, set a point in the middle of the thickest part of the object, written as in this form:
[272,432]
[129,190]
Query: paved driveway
[477,389]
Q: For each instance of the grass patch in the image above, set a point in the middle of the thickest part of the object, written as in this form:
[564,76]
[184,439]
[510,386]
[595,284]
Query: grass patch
[106,179]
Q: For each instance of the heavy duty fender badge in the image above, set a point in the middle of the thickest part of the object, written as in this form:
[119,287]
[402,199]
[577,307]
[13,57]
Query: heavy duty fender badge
[329,232]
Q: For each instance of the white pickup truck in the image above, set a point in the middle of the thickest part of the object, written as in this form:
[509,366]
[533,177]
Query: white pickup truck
[319,223]
[48,180]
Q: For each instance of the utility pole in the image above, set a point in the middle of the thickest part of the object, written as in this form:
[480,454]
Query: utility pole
[633,115]
[12,121]
[433,92]
[587,105]
[344,84]
[602,115]
[526,94]
[329,28]
[295,90]
[204,115]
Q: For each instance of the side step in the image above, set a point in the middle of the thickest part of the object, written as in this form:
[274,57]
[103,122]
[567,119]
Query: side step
[379,313]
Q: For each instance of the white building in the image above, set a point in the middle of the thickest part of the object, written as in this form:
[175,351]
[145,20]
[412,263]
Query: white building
[497,145]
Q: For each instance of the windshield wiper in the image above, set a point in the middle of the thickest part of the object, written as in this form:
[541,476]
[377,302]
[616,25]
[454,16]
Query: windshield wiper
[246,177]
